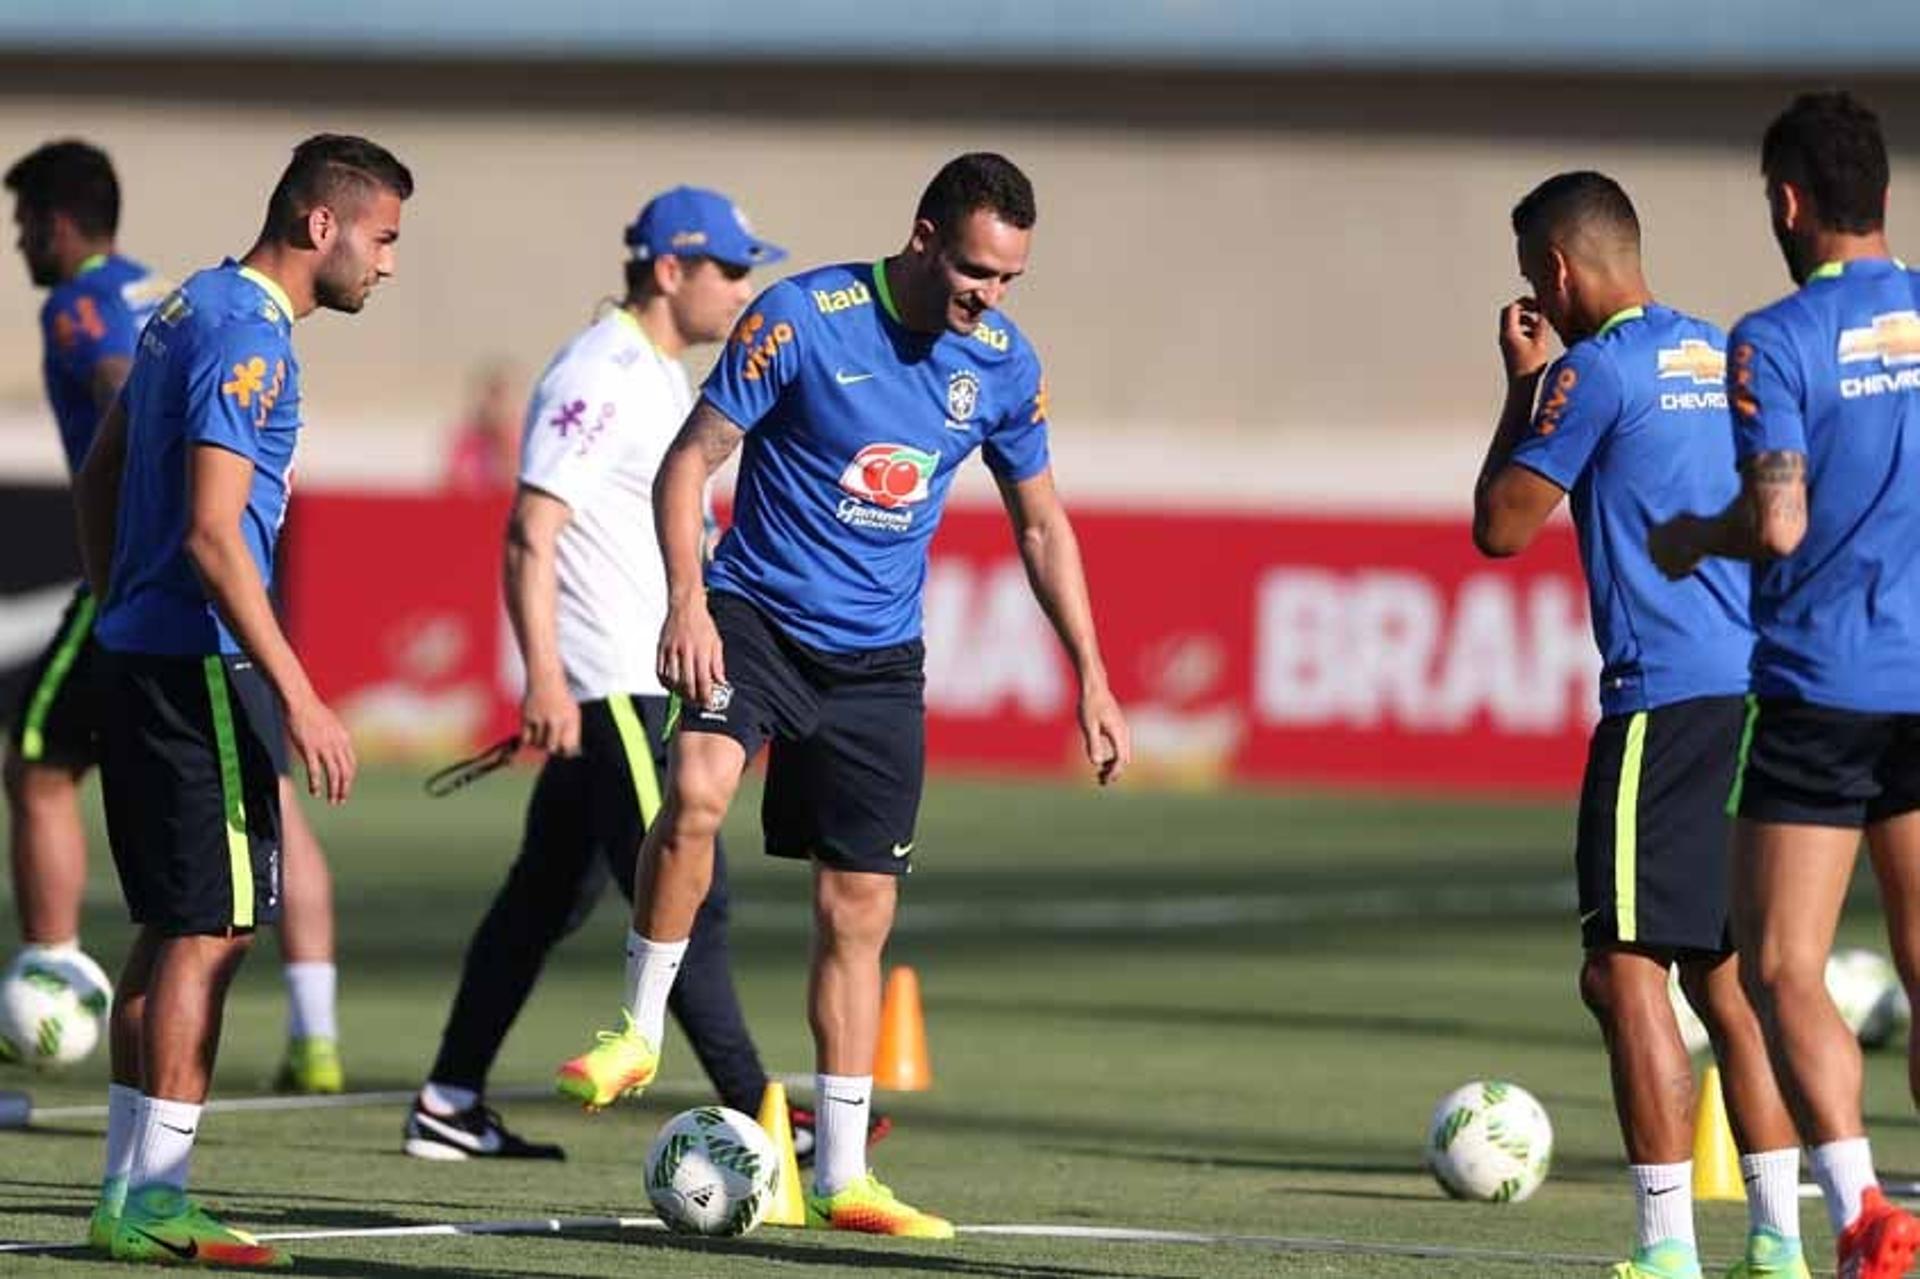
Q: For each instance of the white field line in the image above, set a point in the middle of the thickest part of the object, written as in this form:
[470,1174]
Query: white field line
[1090,1234]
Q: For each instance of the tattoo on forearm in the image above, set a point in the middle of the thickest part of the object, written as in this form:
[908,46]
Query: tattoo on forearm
[1779,486]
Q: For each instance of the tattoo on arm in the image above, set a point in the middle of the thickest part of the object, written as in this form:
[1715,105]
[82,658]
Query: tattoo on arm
[709,433]
[1778,483]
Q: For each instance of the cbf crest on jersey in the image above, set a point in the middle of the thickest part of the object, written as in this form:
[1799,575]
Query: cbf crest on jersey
[963,396]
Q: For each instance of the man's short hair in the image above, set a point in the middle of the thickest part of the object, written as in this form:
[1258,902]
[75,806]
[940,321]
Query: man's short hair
[974,181]
[1829,146]
[333,169]
[70,177]
[1567,203]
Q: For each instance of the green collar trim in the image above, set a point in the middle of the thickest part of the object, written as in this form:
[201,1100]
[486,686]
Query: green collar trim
[1620,317]
[1835,269]
[272,289]
[93,263]
[639,329]
[885,294]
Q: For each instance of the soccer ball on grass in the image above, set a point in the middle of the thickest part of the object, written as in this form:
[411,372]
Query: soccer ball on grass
[52,1008]
[1491,1141]
[712,1171]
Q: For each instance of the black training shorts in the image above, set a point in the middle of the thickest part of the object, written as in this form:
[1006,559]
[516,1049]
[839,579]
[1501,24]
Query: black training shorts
[57,722]
[1823,766]
[189,771]
[848,734]
[1652,858]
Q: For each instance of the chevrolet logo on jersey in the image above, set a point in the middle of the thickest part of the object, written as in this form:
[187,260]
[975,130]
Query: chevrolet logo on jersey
[1693,359]
[1893,339]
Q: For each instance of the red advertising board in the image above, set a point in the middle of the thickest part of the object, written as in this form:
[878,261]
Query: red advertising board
[1360,651]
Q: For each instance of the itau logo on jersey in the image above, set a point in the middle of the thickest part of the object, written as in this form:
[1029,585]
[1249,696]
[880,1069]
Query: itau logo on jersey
[885,479]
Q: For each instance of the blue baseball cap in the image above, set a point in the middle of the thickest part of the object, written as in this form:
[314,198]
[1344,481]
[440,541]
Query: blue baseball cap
[695,222]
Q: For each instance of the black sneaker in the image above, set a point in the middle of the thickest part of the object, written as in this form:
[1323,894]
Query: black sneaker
[878,1126]
[473,1133]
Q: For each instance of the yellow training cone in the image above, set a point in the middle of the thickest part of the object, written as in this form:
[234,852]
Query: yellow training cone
[1716,1160]
[788,1208]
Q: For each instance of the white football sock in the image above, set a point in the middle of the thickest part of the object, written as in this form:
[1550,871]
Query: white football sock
[1773,1190]
[446,1100]
[123,1126]
[310,1001]
[1844,1170]
[51,949]
[165,1144]
[840,1107]
[1663,1202]
[651,968]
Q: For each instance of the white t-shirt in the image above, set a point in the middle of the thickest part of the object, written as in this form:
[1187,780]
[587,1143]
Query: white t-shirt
[599,423]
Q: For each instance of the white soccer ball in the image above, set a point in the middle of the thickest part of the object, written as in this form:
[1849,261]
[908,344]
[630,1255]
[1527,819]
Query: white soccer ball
[52,1008]
[712,1171]
[1490,1140]
[1866,989]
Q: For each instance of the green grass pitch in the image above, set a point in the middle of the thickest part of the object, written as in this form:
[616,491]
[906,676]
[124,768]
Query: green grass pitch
[1225,1014]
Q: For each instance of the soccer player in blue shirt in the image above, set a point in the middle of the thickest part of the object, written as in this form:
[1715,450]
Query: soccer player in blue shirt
[1825,391]
[67,207]
[1630,424]
[181,500]
[857,391]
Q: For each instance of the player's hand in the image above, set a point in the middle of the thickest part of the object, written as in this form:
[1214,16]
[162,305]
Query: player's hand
[1103,730]
[1675,546]
[690,662]
[550,718]
[321,741]
[1523,338]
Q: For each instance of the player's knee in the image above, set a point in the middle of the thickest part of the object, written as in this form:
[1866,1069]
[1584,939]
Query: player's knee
[1774,977]
[1597,986]
[855,910]
[35,786]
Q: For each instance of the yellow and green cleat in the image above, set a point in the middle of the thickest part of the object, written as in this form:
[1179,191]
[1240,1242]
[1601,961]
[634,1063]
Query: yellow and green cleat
[161,1226]
[311,1066]
[869,1207]
[619,1065]
[1668,1259]
[1770,1255]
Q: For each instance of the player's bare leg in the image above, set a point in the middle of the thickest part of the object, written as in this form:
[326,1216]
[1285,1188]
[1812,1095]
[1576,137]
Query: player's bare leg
[1789,881]
[1626,990]
[312,1062]
[1894,846]
[48,847]
[675,871]
[852,917]
[186,1000]
[1756,1110]
[1762,1127]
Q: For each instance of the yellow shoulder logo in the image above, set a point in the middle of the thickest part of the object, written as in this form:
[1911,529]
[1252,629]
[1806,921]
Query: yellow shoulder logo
[250,389]
[995,338]
[827,301]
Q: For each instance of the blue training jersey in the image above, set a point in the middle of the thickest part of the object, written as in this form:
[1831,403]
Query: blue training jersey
[1632,422]
[95,316]
[1833,372]
[215,367]
[855,428]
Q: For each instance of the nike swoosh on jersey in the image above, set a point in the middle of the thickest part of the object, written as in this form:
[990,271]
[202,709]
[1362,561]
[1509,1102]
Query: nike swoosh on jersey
[845,378]
[901,850]
[465,1140]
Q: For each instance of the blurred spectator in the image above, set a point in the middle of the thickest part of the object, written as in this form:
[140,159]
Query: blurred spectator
[484,453]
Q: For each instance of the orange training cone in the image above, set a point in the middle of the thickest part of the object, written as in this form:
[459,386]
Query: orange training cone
[788,1208]
[900,1063]
[1716,1160]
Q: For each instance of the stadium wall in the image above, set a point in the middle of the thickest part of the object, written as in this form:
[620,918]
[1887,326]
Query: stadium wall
[1299,269]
